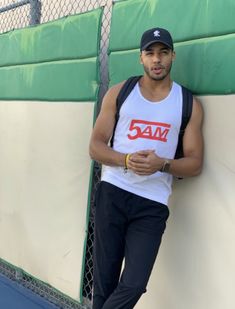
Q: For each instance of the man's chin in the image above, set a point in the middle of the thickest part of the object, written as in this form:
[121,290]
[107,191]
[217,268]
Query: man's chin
[158,77]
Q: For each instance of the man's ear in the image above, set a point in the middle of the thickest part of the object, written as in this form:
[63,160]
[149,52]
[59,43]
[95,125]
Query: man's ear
[141,62]
[173,55]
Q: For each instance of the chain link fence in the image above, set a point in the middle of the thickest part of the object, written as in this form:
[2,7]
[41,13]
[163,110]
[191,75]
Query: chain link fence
[20,14]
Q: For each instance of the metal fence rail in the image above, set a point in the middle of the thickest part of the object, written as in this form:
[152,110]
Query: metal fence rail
[14,6]
[14,15]
[20,14]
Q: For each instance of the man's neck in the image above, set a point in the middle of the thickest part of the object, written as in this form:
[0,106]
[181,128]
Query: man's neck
[155,90]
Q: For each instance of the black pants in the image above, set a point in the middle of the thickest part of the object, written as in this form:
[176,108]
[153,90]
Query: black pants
[127,227]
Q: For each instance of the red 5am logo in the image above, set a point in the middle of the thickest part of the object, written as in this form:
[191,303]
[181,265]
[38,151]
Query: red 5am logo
[148,129]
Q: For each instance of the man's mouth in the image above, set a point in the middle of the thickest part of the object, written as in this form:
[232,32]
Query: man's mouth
[157,70]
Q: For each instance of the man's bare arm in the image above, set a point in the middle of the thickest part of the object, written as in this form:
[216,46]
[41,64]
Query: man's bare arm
[99,149]
[191,164]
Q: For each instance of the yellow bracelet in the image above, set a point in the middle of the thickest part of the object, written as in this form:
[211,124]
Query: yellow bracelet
[127,156]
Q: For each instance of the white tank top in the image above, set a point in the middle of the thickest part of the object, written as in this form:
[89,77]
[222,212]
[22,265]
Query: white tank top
[147,125]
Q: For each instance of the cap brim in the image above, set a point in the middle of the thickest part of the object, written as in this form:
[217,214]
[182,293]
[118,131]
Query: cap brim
[156,41]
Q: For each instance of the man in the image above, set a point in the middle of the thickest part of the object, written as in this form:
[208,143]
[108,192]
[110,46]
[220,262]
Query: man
[131,202]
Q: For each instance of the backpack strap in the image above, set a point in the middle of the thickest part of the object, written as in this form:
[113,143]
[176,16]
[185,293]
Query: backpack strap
[187,107]
[123,94]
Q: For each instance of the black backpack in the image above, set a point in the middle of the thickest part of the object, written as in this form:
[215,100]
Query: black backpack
[186,110]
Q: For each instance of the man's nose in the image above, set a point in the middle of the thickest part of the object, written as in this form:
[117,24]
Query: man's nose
[156,58]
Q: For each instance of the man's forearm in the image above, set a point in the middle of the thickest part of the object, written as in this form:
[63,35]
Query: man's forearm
[185,167]
[104,154]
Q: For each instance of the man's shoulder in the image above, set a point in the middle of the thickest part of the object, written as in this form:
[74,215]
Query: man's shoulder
[127,84]
[182,86]
[113,91]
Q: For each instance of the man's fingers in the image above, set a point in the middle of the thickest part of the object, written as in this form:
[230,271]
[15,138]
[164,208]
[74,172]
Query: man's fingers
[145,152]
[137,159]
[139,168]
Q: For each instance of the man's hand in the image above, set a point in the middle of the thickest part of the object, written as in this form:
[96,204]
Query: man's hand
[145,162]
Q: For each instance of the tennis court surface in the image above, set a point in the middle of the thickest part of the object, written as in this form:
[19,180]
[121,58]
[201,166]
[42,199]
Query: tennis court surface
[15,296]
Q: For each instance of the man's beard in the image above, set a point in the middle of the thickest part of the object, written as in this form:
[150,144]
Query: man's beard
[157,78]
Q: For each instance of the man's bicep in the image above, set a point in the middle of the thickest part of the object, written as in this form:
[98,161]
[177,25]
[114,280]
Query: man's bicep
[105,121]
[193,139]
[103,126]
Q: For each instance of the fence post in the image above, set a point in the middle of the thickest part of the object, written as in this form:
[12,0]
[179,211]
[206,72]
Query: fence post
[35,12]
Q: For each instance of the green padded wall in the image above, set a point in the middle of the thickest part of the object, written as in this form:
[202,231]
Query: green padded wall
[54,61]
[204,41]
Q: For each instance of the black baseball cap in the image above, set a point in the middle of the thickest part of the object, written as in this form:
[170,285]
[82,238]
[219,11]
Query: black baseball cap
[156,35]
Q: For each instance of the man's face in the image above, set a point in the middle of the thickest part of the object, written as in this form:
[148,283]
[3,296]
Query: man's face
[157,61]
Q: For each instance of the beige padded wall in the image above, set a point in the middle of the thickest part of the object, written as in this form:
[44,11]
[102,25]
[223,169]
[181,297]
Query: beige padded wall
[44,183]
[195,268]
